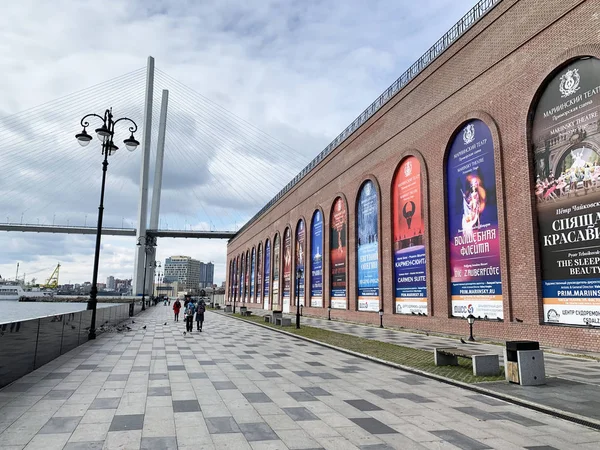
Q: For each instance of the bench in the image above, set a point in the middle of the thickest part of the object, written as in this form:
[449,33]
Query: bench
[283,321]
[484,364]
[246,313]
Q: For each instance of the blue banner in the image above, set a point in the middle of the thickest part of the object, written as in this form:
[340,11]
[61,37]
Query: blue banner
[316,261]
[474,245]
[368,249]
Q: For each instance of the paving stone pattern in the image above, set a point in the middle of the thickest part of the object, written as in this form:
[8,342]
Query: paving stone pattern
[239,386]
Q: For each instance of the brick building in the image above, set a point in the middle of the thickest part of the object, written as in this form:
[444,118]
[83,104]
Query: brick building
[481,168]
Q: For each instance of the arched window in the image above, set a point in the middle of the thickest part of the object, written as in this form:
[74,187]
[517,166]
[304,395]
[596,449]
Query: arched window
[367,247]
[474,247]
[408,230]
[316,260]
[300,246]
[276,266]
[259,273]
[252,275]
[267,274]
[247,277]
[287,269]
[338,244]
[565,133]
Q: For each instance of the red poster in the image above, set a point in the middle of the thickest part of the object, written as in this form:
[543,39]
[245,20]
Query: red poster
[338,230]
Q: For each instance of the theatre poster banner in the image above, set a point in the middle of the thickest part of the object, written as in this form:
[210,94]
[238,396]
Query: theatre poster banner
[259,263]
[267,272]
[475,278]
[338,247]
[287,269]
[316,258]
[276,255]
[566,140]
[247,279]
[368,249]
[300,240]
[409,248]
[252,274]
[242,278]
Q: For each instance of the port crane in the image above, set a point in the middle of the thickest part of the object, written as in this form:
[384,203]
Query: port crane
[52,282]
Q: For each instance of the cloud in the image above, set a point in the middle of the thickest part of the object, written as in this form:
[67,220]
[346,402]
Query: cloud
[298,71]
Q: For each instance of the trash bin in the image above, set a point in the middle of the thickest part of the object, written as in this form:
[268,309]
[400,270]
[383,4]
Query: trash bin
[228,308]
[524,363]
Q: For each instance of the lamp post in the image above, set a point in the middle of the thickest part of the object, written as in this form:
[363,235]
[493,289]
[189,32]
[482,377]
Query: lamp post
[471,320]
[149,243]
[299,272]
[106,134]
[155,265]
[381,318]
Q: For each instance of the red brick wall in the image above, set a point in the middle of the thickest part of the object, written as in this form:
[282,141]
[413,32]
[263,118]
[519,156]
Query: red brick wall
[492,73]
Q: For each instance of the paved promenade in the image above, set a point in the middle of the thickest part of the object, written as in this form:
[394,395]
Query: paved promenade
[239,386]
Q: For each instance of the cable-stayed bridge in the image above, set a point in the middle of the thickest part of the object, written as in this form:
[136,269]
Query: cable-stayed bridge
[207,174]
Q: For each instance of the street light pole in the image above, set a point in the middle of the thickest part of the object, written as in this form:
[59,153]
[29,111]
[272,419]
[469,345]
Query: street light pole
[149,242]
[106,134]
[298,276]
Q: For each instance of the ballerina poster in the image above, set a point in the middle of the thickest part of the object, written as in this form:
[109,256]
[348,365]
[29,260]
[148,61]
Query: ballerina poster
[409,248]
[475,278]
[566,144]
[338,245]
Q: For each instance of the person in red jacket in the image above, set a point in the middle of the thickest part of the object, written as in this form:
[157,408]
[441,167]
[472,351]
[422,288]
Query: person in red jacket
[176,308]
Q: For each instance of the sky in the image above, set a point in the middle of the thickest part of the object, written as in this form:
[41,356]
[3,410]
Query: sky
[254,85]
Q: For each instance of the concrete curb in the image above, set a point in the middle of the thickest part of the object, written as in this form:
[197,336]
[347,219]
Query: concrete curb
[571,417]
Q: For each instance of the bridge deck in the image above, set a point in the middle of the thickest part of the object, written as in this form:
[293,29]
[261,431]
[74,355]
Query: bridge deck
[237,385]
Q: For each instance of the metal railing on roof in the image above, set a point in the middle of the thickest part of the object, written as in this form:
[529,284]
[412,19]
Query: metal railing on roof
[466,22]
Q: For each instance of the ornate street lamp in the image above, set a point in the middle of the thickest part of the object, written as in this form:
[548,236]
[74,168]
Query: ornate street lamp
[381,318]
[471,321]
[106,134]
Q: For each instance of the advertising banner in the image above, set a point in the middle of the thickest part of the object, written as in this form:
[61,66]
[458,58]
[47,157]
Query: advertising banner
[276,255]
[287,269]
[368,248]
[252,274]
[566,140]
[247,278]
[267,272]
[316,261]
[236,281]
[259,272]
[242,278]
[337,254]
[410,283]
[300,239]
[475,278]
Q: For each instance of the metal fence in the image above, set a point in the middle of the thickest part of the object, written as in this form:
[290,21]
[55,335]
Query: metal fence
[466,22]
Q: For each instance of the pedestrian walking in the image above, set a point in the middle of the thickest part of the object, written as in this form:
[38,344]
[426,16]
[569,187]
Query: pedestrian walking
[189,316]
[176,308]
[200,315]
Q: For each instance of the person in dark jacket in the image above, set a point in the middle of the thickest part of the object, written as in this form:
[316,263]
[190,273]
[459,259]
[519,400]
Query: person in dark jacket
[201,308]
[189,316]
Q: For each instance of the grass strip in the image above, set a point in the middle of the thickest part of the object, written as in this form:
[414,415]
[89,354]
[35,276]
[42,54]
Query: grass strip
[407,356]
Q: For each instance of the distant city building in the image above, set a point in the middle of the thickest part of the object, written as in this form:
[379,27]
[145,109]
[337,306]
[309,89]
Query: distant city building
[207,273]
[110,283]
[183,269]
